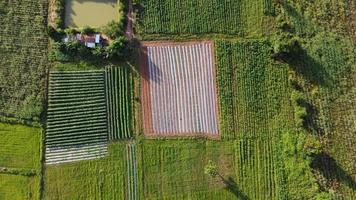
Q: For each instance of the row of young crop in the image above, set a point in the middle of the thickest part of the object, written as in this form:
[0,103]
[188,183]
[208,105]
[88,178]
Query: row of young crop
[76,116]
[181,90]
[118,89]
[132,174]
[226,17]
[251,89]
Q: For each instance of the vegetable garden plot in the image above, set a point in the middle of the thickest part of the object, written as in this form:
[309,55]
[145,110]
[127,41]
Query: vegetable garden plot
[118,84]
[76,118]
[132,175]
[178,89]
[236,17]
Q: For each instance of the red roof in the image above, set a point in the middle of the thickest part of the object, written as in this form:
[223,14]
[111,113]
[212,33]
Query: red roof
[90,38]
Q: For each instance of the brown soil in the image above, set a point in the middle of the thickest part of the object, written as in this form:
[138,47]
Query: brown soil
[129,27]
[352,18]
[52,15]
[145,92]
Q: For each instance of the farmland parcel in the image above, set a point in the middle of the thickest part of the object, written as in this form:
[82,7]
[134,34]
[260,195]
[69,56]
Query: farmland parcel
[178,89]
[20,149]
[76,126]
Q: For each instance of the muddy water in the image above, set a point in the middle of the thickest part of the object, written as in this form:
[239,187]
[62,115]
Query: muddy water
[93,13]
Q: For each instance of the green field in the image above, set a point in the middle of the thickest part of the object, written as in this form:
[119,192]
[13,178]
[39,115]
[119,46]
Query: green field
[103,178]
[118,86]
[15,187]
[241,17]
[20,146]
[20,149]
[252,88]
[173,169]
[23,60]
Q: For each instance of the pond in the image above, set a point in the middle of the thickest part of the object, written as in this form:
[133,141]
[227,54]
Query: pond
[94,13]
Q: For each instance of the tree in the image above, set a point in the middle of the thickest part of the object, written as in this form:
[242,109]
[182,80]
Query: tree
[117,48]
[114,29]
[211,169]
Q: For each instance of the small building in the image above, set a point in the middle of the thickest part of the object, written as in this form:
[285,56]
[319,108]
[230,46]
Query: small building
[89,40]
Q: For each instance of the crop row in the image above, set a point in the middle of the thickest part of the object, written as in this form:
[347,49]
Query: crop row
[226,17]
[132,176]
[76,116]
[23,44]
[181,92]
[118,84]
[251,89]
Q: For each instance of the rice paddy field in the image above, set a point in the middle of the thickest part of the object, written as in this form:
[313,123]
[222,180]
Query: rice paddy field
[204,81]
[21,151]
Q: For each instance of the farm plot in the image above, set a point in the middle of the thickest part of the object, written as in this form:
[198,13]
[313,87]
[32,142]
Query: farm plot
[15,187]
[253,91]
[76,117]
[20,150]
[118,85]
[23,57]
[240,17]
[20,146]
[178,89]
[103,178]
[175,169]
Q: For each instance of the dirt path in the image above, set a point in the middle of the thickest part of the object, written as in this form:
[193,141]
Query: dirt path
[52,15]
[129,27]
[352,17]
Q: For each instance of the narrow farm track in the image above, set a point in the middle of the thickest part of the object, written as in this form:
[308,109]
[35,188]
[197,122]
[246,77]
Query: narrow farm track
[132,178]
[76,118]
[179,85]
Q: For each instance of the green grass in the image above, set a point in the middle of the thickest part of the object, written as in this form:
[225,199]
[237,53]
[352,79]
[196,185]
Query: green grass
[14,187]
[20,146]
[94,179]
[253,90]
[241,17]
[23,50]
[77,66]
[174,169]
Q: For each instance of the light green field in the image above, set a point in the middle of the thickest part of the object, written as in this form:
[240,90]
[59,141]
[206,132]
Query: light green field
[94,179]
[14,187]
[80,13]
[20,146]
[174,169]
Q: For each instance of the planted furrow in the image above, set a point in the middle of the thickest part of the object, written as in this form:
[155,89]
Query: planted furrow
[76,116]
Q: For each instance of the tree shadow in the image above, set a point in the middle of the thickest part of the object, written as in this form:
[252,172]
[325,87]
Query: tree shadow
[232,187]
[309,68]
[330,170]
[149,70]
[309,122]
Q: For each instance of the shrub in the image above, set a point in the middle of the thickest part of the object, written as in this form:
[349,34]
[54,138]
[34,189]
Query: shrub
[114,29]
[87,30]
[117,48]
[285,45]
